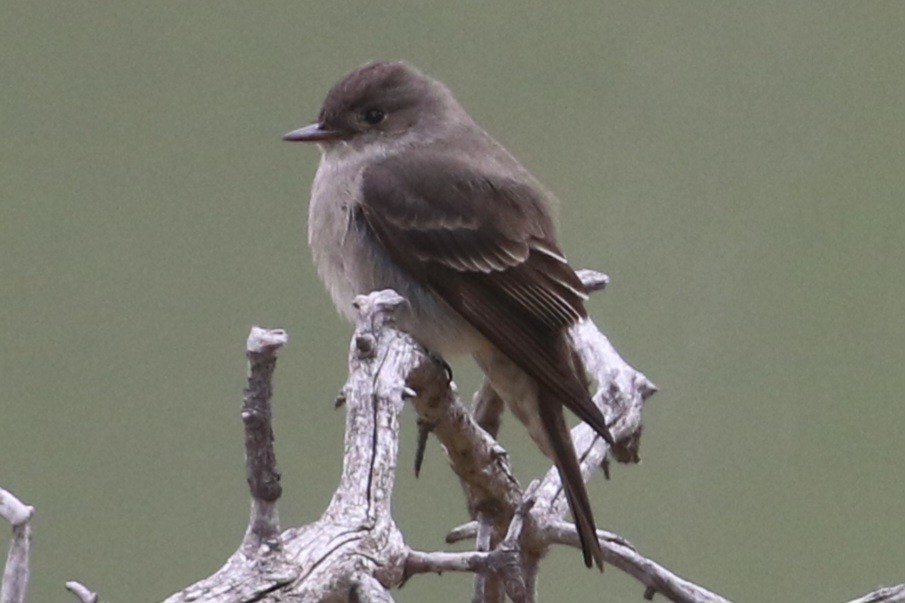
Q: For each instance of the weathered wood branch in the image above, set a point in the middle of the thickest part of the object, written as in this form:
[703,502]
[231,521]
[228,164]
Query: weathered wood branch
[355,552]
[356,536]
[355,549]
[885,594]
[17,567]
[260,565]
[81,592]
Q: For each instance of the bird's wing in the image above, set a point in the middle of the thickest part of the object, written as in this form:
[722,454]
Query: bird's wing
[486,245]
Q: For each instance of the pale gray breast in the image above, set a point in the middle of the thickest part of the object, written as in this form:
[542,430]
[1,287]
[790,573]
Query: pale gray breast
[335,253]
[350,261]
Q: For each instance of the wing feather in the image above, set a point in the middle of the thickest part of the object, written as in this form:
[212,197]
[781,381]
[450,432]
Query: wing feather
[485,245]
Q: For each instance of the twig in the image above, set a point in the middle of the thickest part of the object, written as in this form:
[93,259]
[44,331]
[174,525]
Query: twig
[622,554]
[260,458]
[84,594]
[259,565]
[887,594]
[16,570]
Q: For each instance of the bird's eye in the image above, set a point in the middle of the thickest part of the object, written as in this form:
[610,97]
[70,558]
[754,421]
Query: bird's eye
[374,116]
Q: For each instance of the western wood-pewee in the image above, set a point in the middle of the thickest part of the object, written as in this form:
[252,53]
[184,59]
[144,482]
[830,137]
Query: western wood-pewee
[411,194]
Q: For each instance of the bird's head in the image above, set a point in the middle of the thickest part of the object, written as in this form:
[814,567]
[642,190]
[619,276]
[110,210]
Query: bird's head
[378,103]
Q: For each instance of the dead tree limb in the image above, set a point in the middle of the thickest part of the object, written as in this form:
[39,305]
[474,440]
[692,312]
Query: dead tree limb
[885,594]
[355,552]
[16,570]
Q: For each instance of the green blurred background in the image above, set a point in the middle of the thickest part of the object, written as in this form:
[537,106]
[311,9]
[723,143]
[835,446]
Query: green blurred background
[737,168]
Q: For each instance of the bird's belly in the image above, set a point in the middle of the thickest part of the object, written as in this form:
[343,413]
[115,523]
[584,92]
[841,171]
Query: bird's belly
[518,390]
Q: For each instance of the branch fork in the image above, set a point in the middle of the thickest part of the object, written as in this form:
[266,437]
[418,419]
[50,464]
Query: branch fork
[355,552]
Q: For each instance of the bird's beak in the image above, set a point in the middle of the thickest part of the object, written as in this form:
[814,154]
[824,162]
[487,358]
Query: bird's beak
[311,133]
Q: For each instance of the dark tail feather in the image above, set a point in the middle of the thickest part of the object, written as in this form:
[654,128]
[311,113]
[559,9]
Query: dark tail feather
[577,398]
[584,523]
[570,473]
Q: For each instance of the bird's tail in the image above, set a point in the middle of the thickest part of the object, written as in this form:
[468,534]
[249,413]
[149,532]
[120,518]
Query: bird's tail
[566,462]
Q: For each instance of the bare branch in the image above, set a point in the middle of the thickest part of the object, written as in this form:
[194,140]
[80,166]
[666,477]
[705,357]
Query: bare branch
[888,594]
[621,554]
[419,562]
[593,280]
[366,589]
[492,493]
[259,565]
[355,551]
[16,570]
[479,461]
[84,594]
[488,409]
[14,510]
[466,531]
[356,535]
[260,458]
[488,587]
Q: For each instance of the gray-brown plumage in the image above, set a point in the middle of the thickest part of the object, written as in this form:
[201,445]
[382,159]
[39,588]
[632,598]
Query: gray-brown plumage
[412,195]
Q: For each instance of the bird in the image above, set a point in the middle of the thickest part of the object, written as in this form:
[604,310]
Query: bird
[412,194]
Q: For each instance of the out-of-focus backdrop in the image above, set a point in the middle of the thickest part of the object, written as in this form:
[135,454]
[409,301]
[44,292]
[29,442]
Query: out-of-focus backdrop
[737,168]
